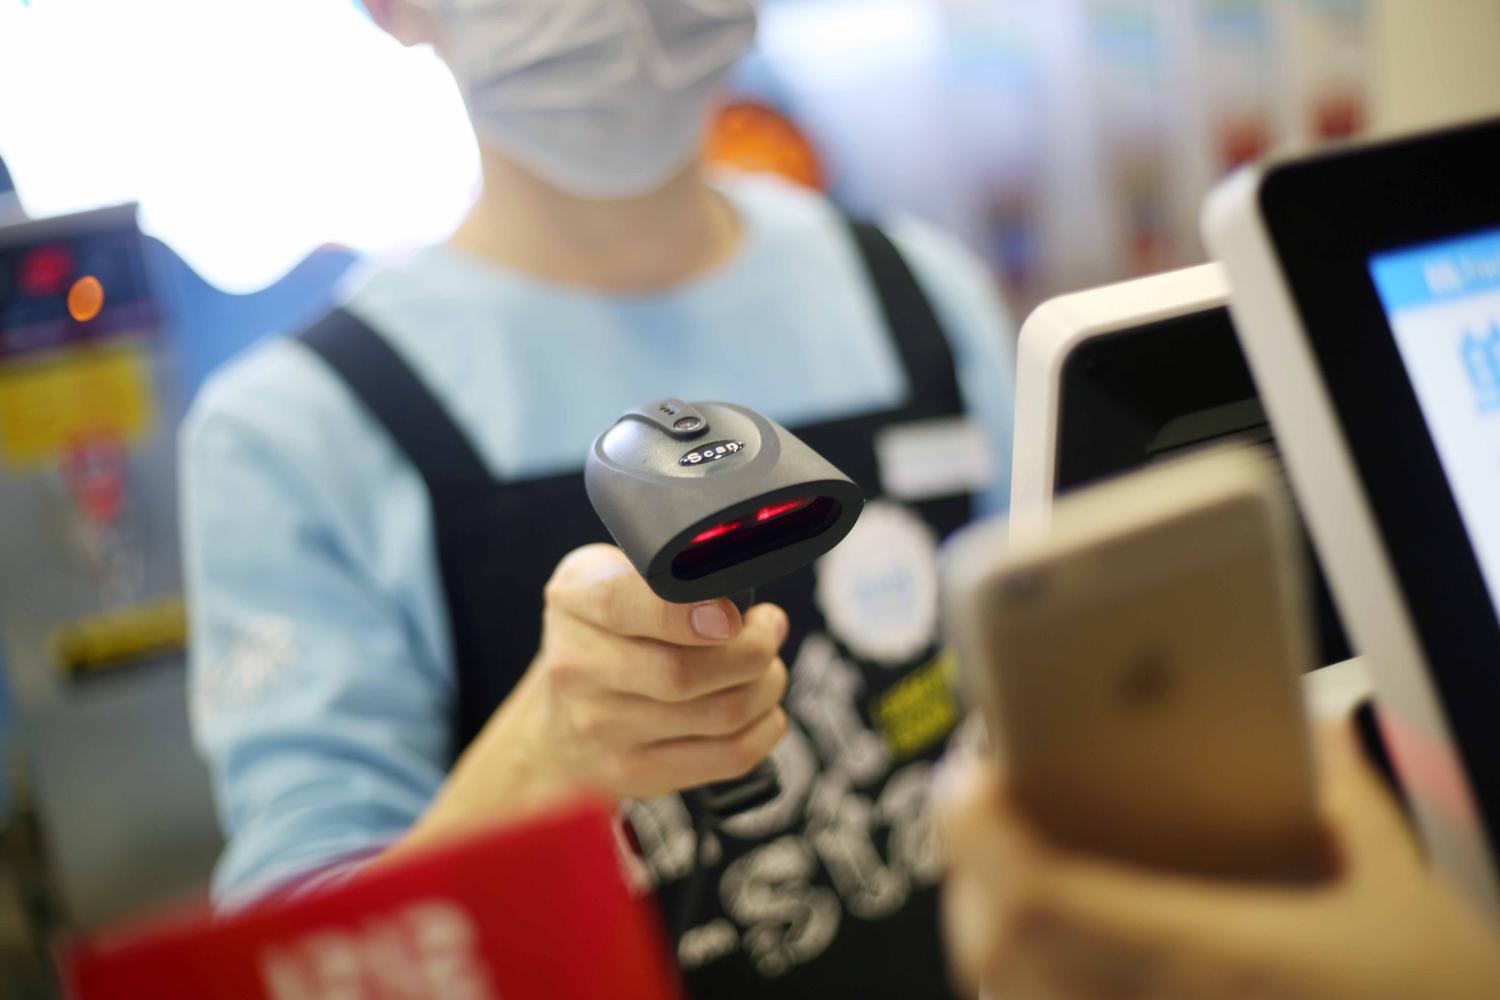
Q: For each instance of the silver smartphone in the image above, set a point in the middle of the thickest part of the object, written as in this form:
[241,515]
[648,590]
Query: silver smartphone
[1137,656]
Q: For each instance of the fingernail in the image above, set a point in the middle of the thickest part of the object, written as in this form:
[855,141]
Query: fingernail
[710,621]
[783,626]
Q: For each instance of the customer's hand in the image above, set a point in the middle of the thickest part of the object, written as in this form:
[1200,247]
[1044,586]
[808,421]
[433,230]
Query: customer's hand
[1027,919]
[629,695]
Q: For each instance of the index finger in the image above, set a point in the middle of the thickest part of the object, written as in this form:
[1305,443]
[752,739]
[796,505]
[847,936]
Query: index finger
[598,585]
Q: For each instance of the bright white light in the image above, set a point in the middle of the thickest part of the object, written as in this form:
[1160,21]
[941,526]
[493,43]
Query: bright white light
[867,76]
[251,131]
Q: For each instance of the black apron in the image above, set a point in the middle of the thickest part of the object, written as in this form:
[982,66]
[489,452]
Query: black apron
[806,907]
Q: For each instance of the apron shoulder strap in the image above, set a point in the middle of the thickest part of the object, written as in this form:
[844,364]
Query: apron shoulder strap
[912,323]
[442,453]
[398,399]
[425,432]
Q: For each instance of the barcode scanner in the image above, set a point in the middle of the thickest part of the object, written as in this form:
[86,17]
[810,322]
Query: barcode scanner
[712,500]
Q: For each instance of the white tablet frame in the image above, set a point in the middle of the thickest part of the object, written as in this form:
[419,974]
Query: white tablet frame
[1056,329]
[1343,527]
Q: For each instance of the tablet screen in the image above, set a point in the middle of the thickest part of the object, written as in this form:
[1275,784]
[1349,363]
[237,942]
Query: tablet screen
[1443,303]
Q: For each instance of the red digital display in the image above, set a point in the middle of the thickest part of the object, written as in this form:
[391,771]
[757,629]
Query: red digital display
[44,271]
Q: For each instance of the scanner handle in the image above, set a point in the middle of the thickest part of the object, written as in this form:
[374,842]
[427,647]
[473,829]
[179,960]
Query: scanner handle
[724,799]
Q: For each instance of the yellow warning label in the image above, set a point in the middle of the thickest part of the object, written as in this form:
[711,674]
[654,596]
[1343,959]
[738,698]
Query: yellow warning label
[100,642]
[48,405]
[921,709]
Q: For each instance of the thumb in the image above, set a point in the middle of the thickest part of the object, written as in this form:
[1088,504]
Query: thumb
[1367,822]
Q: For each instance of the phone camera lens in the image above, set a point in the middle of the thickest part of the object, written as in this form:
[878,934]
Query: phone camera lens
[1147,680]
[1024,587]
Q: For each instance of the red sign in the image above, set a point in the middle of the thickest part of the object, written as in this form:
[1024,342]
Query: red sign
[535,911]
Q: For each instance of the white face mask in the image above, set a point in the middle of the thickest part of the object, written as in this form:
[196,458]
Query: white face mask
[601,98]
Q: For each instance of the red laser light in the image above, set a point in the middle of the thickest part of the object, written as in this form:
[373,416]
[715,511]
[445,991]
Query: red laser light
[766,513]
[715,531]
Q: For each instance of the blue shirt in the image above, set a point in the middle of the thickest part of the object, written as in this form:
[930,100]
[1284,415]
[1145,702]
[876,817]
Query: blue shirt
[321,669]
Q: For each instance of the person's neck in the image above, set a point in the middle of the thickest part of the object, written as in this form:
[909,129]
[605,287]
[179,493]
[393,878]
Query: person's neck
[634,245]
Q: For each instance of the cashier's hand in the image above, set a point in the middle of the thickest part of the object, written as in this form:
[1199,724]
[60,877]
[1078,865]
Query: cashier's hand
[628,696]
[1026,918]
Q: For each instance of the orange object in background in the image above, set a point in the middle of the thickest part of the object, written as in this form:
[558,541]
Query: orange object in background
[85,298]
[1339,116]
[755,137]
[1242,140]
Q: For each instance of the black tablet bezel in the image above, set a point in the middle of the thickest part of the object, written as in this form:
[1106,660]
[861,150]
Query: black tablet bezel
[1327,217]
[1118,389]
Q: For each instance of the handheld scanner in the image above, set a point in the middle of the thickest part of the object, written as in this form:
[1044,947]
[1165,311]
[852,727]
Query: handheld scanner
[711,500]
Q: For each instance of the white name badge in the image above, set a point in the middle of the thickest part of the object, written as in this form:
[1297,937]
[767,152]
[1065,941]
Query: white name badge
[933,458]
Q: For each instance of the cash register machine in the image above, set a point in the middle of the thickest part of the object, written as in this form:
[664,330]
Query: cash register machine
[1112,379]
[1367,299]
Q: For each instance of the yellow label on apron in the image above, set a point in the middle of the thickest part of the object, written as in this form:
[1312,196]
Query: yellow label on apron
[921,709]
[97,643]
[48,405]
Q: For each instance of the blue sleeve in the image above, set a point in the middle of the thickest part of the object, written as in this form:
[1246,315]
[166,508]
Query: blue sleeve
[323,722]
[981,335]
